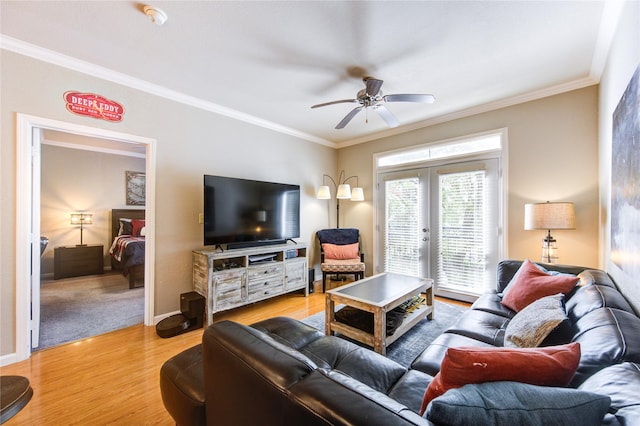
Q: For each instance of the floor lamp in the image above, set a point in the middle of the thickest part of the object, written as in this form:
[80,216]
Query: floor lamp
[342,190]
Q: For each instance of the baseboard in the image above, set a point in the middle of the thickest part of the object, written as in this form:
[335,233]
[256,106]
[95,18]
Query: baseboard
[8,359]
[159,318]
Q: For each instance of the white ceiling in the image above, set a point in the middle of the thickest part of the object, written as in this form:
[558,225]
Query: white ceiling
[267,62]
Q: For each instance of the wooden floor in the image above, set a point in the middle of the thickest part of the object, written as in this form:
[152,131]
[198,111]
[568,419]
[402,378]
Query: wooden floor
[114,378]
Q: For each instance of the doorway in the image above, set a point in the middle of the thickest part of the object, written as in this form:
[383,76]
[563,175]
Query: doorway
[440,212]
[441,222]
[29,139]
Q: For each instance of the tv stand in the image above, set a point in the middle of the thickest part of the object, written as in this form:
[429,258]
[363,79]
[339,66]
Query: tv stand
[237,277]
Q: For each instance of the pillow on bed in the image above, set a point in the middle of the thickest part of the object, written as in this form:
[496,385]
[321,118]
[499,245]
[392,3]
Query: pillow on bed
[126,227]
[138,226]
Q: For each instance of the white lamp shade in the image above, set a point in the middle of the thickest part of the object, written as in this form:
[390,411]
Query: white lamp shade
[357,194]
[81,219]
[344,191]
[549,216]
[324,193]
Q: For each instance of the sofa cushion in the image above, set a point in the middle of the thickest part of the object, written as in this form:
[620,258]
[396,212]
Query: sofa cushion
[591,296]
[333,398]
[182,387]
[534,323]
[621,382]
[430,359]
[288,331]
[492,302]
[331,352]
[480,325]
[404,391]
[512,403]
[550,366]
[607,336]
[531,283]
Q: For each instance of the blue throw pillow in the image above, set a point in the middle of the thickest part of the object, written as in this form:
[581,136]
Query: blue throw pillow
[513,403]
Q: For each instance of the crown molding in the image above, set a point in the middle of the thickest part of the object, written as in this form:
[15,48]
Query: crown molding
[55,58]
[479,109]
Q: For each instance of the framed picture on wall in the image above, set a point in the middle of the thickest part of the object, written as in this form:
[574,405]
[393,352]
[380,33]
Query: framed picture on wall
[135,189]
[625,181]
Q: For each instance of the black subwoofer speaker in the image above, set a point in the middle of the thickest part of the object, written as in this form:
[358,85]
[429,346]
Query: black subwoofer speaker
[192,306]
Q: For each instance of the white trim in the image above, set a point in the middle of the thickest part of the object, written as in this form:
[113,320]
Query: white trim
[24,130]
[94,148]
[46,55]
[608,23]
[25,124]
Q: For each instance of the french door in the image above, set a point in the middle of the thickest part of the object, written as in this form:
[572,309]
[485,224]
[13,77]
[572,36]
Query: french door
[441,222]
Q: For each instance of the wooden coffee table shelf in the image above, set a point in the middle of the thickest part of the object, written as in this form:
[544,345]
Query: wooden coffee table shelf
[379,294]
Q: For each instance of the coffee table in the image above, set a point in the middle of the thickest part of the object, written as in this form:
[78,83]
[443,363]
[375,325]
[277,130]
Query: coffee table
[379,294]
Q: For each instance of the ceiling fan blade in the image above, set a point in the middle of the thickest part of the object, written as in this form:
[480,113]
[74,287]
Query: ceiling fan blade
[426,99]
[348,117]
[373,85]
[342,101]
[386,115]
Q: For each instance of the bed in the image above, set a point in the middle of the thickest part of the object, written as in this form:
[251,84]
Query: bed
[127,247]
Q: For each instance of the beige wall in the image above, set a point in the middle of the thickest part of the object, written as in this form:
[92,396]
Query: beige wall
[76,180]
[552,155]
[190,143]
[622,62]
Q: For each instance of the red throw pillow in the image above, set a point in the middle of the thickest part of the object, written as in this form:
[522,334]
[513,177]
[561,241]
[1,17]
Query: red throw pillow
[137,225]
[548,366]
[340,252]
[532,284]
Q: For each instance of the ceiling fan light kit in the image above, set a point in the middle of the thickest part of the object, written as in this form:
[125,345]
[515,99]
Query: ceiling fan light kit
[371,97]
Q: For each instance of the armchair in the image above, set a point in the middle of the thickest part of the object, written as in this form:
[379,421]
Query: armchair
[340,253]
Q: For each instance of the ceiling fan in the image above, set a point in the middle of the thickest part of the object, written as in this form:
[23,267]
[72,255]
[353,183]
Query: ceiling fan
[371,97]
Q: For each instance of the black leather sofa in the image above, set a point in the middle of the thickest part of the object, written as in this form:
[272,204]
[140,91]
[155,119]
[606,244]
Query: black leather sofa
[283,372]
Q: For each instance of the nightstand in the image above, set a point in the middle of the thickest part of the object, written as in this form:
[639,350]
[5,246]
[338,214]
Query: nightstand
[75,261]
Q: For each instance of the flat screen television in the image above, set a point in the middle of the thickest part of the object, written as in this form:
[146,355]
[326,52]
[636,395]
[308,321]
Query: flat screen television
[244,213]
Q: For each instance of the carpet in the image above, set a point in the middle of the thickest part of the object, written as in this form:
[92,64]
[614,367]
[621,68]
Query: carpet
[413,342]
[77,308]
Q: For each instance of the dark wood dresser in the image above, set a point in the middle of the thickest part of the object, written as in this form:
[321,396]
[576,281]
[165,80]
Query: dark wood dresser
[75,261]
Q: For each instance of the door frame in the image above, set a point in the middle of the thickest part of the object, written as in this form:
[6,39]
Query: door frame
[28,152]
[503,173]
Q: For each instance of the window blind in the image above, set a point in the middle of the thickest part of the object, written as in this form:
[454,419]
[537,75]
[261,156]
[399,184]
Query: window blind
[401,241]
[463,231]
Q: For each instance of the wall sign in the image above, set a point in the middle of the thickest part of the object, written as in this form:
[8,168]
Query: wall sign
[92,105]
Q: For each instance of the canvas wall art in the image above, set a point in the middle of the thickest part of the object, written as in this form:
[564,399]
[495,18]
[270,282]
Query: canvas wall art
[625,181]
